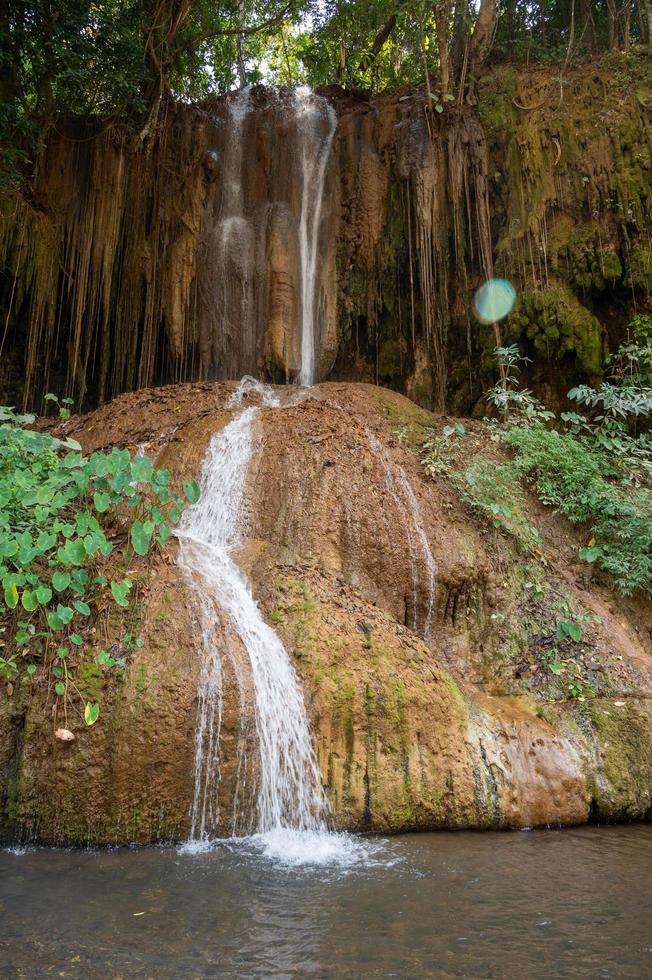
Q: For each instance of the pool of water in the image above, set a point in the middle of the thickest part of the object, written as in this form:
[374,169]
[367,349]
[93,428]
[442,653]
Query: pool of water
[573,903]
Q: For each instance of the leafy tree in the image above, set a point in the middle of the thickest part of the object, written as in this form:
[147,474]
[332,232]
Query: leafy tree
[126,57]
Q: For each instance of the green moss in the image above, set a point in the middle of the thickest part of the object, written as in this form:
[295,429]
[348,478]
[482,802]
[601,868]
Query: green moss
[390,361]
[557,324]
[590,264]
[624,732]
[408,420]
[141,679]
[497,92]
[90,680]
[371,737]
[639,267]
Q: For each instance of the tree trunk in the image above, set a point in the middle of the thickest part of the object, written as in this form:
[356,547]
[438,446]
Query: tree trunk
[443,10]
[483,34]
[613,24]
[341,68]
[648,21]
[626,14]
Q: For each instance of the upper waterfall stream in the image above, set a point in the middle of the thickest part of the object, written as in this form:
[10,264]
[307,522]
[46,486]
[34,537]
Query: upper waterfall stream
[314,147]
[267,238]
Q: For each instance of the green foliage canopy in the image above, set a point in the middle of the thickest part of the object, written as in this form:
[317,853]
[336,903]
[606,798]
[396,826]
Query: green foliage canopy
[121,57]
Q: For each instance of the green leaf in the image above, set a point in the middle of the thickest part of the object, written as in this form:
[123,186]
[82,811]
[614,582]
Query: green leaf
[75,552]
[8,547]
[161,478]
[65,613]
[163,534]
[62,653]
[31,669]
[61,581]
[43,594]
[60,688]
[556,667]
[590,554]
[76,639]
[102,501]
[29,601]
[82,607]
[11,597]
[91,713]
[55,622]
[140,536]
[191,490]
[142,469]
[44,494]
[119,591]
[45,541]
[575,632]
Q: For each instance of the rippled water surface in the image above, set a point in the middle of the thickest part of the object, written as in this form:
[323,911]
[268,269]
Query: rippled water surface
[546,904]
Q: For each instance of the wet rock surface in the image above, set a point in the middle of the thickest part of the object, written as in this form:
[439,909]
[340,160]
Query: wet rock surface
[127,267]
[427,694]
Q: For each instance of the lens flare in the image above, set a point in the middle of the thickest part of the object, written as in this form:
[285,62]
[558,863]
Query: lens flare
[494,300]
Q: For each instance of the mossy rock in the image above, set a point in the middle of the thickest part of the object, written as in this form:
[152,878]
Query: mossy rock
[497,92]
[390,360]
[638,274]
[592,264]
[557,325]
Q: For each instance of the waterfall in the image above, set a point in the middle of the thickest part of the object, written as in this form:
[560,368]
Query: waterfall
[316,124]
[236,241]
[239,109]
[290,795]
[417,540]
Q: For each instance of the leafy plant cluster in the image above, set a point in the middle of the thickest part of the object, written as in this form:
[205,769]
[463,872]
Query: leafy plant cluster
[490,488]
[560,647]
[493,489]
[62,516]
[581,481]
[440,451]
[594,468]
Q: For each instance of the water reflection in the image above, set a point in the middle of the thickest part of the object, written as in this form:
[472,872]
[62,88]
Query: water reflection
[545,904]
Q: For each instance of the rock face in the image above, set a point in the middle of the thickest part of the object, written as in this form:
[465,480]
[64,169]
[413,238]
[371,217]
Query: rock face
[410,626]
[128,265]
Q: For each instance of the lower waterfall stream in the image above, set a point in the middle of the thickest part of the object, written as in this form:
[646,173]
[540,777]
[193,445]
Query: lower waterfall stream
[291,804]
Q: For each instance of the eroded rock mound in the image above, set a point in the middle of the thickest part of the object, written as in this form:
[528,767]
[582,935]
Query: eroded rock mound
[410,626]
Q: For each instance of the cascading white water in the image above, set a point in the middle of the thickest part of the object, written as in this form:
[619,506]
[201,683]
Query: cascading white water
[290,795]
[239,109]
[316,124]
[403,494]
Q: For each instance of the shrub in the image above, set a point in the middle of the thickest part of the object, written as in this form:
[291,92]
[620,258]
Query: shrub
[582,482]
[61,514]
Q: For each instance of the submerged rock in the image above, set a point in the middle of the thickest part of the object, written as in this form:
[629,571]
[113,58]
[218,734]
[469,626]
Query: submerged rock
[415,633]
